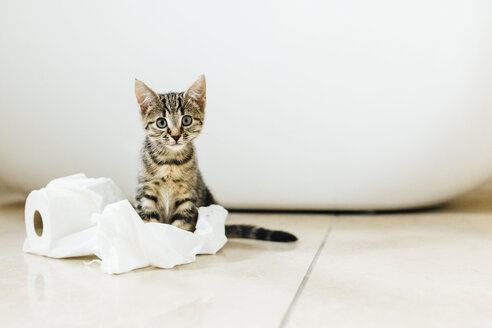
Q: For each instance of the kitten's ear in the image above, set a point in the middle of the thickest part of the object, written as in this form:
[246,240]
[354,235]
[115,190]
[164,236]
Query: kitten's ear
[197,93]
[146,97]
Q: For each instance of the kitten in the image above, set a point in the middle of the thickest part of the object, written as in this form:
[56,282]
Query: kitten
[171,188]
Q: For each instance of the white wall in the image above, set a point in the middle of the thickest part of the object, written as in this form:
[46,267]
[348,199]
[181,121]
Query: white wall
[333,104]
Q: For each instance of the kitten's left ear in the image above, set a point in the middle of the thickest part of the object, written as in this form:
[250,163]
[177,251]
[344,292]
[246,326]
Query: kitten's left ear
[197,93]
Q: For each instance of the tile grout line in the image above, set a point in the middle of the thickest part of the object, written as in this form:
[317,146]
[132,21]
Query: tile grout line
[304,281]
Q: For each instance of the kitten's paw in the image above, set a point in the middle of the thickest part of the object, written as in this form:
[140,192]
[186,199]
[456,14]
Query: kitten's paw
[182,224]
[147,218]
[150,217]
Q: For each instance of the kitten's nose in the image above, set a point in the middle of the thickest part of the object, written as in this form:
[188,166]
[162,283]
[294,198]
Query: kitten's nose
[176,138]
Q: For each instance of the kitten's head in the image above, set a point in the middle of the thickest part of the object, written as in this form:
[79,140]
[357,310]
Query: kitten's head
[172,119]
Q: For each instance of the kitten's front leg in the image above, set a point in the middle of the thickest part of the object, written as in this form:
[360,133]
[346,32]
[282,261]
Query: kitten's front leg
[147,201]
[185,213]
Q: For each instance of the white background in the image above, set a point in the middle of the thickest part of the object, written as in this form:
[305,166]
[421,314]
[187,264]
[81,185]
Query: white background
[329,104]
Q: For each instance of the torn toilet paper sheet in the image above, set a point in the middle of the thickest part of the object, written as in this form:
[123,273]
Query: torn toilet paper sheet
[124,242]
[76,216]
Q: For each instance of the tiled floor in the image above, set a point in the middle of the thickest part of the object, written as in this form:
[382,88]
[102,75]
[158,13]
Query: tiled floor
[422,269]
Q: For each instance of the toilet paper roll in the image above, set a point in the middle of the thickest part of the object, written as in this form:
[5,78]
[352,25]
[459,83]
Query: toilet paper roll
[57,218]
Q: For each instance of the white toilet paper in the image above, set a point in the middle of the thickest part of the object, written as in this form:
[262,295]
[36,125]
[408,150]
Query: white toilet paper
[76,216]
[124,242]
[56,216]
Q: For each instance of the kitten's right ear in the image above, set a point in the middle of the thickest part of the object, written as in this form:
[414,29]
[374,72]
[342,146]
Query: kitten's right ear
[146,97]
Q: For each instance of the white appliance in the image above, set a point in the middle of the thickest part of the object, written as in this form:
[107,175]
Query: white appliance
[311,105]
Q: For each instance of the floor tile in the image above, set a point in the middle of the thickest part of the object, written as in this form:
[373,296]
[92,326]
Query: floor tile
[422,269]
[247,284]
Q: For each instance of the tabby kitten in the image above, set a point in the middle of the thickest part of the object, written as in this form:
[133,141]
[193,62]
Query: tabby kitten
[171,188]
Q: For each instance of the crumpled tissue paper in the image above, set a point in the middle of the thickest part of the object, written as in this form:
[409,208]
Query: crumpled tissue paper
[77,216]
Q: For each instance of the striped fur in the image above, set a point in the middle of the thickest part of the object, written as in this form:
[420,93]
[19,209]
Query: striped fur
[254,232]
[170,186]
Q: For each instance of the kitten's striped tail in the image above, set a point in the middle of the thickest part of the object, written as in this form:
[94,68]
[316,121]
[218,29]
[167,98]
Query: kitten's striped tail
[255,232]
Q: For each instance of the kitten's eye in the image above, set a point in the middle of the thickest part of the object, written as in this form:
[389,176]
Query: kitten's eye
[187,120]
[161,123]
